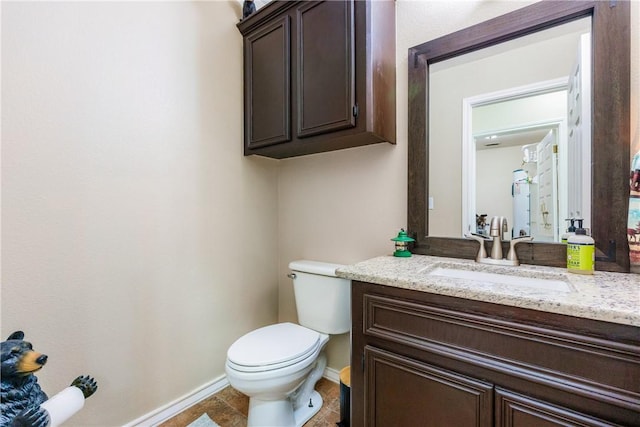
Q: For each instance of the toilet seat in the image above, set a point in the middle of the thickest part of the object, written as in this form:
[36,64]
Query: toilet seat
[256,352]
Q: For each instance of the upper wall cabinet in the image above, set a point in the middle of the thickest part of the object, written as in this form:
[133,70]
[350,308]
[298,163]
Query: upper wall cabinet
[318,76]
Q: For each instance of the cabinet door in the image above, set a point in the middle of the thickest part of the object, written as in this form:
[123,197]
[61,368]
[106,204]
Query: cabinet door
[516,410]
[404,392]
[268,85]
[325,67]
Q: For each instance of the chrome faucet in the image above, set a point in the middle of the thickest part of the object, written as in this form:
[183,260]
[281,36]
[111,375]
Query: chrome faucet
[497,228]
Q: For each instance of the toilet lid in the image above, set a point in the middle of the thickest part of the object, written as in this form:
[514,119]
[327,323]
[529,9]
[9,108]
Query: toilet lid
[273,346]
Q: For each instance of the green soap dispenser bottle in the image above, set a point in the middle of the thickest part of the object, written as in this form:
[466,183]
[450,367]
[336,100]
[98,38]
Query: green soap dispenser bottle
[581,252]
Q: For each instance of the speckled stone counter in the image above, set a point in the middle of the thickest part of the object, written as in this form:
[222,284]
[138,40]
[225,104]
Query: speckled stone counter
[611,297]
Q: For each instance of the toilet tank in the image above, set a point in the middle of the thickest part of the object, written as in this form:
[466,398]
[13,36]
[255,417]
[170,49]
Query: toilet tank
[323,300]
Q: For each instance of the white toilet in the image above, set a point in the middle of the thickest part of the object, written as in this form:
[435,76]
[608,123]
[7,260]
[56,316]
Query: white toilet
[277,366]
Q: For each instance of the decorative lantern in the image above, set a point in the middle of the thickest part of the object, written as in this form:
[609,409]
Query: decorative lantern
[402,244]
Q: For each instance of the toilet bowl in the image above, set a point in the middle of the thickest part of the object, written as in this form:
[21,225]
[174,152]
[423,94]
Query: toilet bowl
[271,378]
[278,365]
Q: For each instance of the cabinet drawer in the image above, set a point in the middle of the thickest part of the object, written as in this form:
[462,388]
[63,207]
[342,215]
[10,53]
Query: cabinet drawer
[400,391]
[579,364]
[515,410]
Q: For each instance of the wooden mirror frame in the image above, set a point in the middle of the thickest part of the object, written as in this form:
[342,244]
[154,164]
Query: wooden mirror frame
[610,143]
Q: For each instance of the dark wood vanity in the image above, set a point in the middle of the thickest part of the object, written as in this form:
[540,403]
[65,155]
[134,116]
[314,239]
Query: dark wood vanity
[318,76]
[423,359]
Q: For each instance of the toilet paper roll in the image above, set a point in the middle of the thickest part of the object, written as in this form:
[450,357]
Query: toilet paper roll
[63,405]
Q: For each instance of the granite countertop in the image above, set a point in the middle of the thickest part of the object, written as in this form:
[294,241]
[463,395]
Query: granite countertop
[611,297]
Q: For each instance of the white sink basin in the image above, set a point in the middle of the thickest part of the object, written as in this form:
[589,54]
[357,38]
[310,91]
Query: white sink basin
[503,279]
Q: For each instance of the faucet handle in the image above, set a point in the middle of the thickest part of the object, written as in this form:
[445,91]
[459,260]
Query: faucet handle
[477,236]
[482,252]
[512,256]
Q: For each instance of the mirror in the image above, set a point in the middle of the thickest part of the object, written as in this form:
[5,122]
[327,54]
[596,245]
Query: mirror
[518,94]
[604,174]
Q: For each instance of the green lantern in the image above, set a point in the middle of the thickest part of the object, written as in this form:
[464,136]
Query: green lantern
[402,244]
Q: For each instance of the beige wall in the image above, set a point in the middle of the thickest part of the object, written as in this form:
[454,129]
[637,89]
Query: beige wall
[137,242]
[493,191]
[341,207]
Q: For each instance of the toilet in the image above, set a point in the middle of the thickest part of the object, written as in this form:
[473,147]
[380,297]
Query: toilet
[278,365]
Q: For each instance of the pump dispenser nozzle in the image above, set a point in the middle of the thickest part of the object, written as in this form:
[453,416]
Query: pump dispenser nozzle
[571,222]
[571,230]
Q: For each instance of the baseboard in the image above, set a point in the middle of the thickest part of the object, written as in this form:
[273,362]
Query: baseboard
[172,409]
[332,374]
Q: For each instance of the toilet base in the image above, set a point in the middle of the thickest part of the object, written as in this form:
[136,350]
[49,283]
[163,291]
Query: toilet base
[305,412]
[280,413]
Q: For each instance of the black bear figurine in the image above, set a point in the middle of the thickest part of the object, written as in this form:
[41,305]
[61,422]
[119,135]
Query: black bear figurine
[248,7]
[20,393]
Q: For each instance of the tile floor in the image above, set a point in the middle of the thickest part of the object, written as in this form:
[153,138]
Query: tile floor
[229,408]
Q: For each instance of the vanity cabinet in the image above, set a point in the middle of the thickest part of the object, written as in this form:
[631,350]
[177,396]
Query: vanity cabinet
[421,359]
[318,76]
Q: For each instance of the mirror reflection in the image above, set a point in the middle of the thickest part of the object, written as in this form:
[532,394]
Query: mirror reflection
[510,136]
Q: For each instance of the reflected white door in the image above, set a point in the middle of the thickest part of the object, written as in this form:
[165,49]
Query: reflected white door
[579,135]
[547,203]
